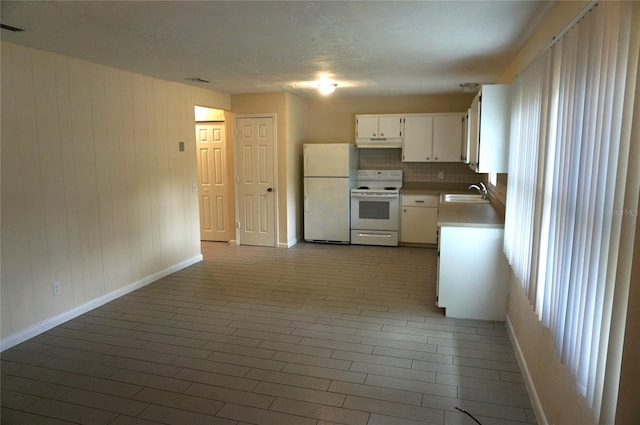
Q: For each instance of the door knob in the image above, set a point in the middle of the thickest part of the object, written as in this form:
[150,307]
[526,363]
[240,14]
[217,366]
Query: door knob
[270,189]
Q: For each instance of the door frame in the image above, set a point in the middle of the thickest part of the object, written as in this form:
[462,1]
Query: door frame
[276,174]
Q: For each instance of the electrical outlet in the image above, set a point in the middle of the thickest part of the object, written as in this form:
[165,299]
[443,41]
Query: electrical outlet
[57,288]
[440,175]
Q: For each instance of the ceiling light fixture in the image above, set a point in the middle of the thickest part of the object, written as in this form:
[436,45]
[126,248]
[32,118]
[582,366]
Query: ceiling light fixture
[469,87]
[326,87]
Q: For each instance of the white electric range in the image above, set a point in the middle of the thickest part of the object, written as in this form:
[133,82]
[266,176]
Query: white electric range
[375,207]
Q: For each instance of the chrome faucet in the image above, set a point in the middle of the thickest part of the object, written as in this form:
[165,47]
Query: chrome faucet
[481,188]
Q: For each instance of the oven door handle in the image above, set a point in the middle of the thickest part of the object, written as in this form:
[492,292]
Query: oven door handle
[371,196]
[375,235]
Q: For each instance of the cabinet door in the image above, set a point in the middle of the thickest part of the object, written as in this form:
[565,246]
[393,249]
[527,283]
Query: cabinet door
[474,133]
[419,225]
[418,138]
[367,126]
[390,126]
[466,139]
[494,126]
[473,273]
[447,137]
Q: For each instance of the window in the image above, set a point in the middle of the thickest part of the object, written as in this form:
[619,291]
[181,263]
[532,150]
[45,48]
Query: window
[563,172]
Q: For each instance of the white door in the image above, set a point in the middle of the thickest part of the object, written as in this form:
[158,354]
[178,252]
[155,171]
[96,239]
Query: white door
[256,191]
[210,139]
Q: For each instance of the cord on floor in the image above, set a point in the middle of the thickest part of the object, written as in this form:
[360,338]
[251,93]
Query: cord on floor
[469,414]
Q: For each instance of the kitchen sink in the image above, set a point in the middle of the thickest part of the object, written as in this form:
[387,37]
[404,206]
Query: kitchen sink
[465,198]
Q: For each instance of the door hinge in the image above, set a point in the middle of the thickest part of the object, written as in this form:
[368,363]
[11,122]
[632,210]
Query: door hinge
[238,225]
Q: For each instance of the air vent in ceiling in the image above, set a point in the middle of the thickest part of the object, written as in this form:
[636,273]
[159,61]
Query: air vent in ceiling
[11,28]
[196,79]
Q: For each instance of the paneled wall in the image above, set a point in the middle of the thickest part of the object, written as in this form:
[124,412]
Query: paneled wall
[95,192]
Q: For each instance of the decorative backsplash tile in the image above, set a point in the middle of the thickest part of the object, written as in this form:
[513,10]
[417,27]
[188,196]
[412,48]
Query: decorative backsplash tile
[425,172]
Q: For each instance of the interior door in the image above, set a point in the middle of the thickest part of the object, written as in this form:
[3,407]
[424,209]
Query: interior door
[256,191]
[210,139]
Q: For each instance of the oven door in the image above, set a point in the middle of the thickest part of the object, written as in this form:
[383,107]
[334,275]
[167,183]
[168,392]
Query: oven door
[375,211]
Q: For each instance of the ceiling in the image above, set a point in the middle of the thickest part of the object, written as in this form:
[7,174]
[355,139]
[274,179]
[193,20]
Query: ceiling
[368,48]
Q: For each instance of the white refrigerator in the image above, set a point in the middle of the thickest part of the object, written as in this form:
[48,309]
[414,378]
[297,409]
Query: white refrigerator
[330,171]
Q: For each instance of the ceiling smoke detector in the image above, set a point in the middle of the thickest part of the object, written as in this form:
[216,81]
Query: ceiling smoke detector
[469,87]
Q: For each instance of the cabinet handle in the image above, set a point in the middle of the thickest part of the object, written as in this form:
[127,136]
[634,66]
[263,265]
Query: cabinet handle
[419,202]
[382,134]
[428,158]
[436,158]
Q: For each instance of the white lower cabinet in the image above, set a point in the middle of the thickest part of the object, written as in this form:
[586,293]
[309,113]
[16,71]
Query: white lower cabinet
[472,273]
[419,219]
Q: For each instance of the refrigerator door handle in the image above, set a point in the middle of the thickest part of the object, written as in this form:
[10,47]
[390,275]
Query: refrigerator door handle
[304,161]
[306,200]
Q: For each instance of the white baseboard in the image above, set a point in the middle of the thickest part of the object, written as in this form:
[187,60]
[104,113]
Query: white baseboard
[528,380]
[289,244]
[51,323]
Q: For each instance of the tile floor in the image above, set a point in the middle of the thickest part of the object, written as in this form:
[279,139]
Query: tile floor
[316,334]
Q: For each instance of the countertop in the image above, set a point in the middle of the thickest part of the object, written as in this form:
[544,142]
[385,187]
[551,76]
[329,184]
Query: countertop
[457,214]
[468,215]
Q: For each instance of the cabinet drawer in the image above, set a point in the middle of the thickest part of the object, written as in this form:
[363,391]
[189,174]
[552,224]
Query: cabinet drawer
[420,200]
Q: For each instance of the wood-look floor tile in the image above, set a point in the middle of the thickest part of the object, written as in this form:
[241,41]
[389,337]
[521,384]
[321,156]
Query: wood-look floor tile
[312,335]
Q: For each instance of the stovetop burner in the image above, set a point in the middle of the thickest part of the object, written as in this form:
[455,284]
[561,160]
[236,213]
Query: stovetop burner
[379,180]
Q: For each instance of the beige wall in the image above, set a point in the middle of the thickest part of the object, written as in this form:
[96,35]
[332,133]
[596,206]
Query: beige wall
[554,385]
[297,128]
[95,194]
[332,119]
[554,22]
[204,113]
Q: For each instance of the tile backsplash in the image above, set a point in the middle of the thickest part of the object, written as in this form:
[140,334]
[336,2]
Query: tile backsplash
[424,172]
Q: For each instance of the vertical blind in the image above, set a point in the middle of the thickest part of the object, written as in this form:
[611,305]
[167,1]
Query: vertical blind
[563,168]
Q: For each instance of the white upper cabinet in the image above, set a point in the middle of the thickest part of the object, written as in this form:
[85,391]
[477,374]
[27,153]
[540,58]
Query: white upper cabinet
[432,137]
[447,137]
[418,138]
[379,131]
[390,126]
[489,126]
